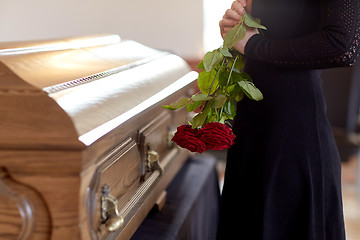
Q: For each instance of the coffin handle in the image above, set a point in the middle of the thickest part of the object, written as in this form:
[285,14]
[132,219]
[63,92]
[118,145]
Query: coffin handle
[153,161]
[109,211]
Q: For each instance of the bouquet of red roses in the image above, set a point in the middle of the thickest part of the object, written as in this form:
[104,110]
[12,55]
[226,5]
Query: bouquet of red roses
[222,83]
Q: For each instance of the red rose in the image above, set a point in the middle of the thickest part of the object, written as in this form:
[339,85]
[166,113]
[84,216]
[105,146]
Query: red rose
[217,136]
[187,137]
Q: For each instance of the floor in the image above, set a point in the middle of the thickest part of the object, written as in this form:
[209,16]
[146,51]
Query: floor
[350,186]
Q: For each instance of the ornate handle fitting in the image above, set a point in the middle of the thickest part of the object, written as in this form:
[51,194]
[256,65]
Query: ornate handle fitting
[109,211]
[153,161]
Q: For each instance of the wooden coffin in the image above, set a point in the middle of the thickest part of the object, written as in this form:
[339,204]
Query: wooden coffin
[85,148]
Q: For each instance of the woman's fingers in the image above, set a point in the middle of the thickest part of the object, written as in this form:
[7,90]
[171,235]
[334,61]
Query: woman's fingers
[229,22]
[230,19]
[226,29]
[222,31]
[242,2]
[238,7]
[232,16]
[226,24]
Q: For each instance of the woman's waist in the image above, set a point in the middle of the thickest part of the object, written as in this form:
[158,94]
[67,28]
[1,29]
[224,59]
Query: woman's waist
[277,82]
[284,93]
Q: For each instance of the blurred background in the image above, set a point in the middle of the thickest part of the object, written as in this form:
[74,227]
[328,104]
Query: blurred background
[188,28]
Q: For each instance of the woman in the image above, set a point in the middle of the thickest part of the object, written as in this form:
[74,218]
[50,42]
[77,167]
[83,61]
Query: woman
[282,179]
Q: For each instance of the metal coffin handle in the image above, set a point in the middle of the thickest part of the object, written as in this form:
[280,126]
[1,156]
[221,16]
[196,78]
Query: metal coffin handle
[109,211]
[111,219]
[153,161]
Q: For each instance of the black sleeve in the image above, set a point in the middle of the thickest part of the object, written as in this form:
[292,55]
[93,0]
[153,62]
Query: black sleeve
[336,44]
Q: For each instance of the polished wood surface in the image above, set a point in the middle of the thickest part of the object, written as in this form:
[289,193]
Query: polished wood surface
[22,211]
[77,115]
[63,91]
[54,176]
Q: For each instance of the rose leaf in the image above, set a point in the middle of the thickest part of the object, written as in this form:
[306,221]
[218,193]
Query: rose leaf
[225,51]
[179,104]
[253,22]
[201,97]
[219,101]
[250,90]
[234,35]
[200,118]
[211,59]
[207,80]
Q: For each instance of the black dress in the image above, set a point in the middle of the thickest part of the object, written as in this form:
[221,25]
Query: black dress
[282,180]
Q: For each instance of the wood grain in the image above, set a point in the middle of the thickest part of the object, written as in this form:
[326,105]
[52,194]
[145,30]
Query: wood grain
[55,177]
[120,171]
[23,212]
[50,180]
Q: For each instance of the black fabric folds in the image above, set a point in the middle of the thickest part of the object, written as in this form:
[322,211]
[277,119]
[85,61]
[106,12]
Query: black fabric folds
[283,176]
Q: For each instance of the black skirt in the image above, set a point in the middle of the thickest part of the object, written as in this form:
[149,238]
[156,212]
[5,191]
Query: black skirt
[283,174]
[283,177]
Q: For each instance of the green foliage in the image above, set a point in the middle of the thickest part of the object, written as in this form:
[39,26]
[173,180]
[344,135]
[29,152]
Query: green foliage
[225,52]
[222,81]
[253,22]
[199,120]
[219,100]
[211,59]
[250,90]
[208,81]
[201,97]
[179,104]
[234,35]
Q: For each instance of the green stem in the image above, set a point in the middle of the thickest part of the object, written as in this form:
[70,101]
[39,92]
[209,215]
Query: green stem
[221,112]
[231,71]
[227,84]
[217,73]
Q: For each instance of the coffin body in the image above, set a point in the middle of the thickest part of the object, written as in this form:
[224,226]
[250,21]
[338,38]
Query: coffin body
[85,148]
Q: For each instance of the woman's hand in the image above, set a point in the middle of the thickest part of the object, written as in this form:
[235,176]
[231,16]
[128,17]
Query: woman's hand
[231,18]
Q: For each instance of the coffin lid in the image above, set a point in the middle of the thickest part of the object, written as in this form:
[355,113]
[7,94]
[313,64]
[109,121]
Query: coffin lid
[69,93]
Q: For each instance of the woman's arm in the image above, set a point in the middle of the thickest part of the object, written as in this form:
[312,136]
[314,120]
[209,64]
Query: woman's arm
[335,45]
